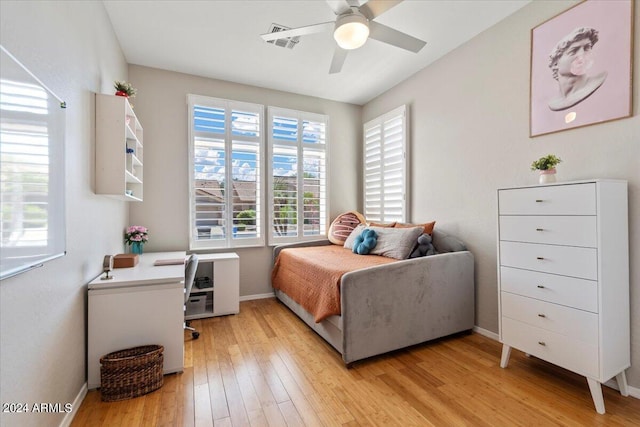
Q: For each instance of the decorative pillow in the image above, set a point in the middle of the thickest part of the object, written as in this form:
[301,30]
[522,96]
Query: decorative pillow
[365,242]
[428,226]
[382,224]
[447,243]
[348,244]
[343,225]
[395,242]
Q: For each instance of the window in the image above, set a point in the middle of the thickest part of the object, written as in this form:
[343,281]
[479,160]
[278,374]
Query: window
[226,157]
[385,167]
[31,171]
[297,171]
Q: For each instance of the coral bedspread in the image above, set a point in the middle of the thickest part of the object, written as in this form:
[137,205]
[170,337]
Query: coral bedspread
[311,275]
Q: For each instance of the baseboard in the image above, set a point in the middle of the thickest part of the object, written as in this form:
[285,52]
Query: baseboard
[486,333]
[66,421]
[633,391]
[257,296]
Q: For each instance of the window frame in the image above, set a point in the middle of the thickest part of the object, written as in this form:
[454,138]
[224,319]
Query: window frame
[300,145]
[399,112]
[229,242]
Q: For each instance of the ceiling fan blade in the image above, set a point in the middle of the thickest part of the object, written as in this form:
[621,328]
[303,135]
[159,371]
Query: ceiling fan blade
[394,37]
[338,60]
[300,31]
[375,8]
[339,6]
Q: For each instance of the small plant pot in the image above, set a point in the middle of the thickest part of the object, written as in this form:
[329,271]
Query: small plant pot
[120,93]
[547,176]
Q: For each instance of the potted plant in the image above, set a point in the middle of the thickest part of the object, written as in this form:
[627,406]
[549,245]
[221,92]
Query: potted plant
[124,89]
[547,167]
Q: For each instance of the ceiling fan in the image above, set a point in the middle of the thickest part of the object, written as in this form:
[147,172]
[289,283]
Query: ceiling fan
[353,26]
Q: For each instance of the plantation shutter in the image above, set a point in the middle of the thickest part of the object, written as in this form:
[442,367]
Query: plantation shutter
[225,173]
[32,202]
[297,175]
[385,167]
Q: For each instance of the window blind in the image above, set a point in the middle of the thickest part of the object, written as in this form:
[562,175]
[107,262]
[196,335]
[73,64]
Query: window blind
[297,175]
[385,167]
[226,154]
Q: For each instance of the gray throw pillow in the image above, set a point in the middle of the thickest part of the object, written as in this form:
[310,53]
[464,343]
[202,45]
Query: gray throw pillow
[395,242]
[447,243]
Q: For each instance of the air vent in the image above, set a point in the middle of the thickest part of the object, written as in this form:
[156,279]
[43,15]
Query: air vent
[289,42]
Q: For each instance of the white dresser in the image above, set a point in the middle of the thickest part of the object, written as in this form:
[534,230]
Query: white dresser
[563,275]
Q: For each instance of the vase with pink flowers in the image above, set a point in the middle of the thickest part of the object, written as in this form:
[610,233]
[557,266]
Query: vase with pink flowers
[136,236]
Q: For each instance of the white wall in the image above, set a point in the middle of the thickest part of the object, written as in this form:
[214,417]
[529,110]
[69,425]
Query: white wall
[161,107]
[469,136]
[71,47]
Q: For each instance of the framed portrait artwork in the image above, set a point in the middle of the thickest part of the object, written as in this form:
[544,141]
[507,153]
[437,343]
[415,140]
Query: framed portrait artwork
[581,67]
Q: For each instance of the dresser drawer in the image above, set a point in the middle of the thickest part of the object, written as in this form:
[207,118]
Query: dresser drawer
[569,291]
[554,230]
[577,199]
[571,354]
[573,323]
[566,260]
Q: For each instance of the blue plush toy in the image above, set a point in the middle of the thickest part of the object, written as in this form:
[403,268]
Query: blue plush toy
[366,241]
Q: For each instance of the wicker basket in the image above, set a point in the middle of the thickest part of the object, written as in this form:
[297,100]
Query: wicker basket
[129,373]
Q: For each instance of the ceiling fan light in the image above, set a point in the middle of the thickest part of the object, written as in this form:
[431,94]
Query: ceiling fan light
[351,31]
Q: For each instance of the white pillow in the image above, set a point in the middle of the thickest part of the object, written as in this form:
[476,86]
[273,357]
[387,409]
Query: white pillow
[394,242]
[348,243]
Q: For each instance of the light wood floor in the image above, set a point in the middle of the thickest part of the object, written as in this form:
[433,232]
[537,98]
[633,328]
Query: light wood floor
[265,367]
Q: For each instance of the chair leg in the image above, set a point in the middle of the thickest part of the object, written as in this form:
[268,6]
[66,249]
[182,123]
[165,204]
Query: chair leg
[194,334]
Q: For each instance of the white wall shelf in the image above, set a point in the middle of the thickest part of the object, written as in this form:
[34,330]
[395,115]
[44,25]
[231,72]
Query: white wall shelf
[119,149]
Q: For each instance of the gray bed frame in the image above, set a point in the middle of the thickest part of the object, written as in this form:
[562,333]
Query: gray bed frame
[396,305]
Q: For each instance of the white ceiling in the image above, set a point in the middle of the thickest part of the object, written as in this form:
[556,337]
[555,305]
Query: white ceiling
[220,39]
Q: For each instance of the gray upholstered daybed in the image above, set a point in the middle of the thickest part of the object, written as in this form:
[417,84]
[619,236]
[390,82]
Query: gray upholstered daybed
[399,304]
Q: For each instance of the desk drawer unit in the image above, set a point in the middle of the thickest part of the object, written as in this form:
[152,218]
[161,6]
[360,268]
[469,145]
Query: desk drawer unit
[563,271]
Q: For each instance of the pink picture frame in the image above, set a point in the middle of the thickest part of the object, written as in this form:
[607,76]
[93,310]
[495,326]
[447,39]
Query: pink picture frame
[582,67]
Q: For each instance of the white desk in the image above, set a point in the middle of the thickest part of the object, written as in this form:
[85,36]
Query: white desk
[141,305]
